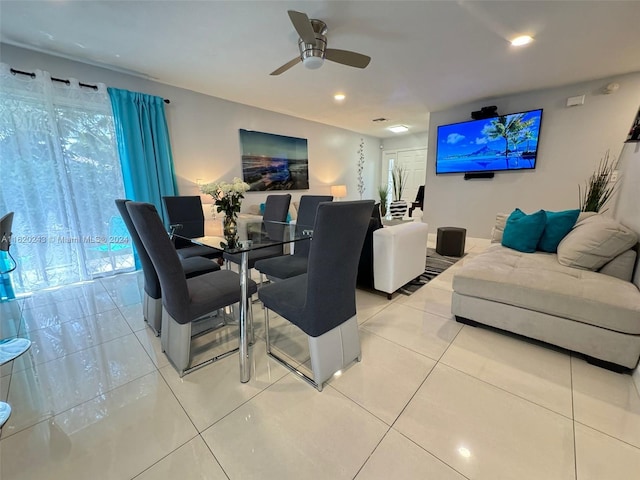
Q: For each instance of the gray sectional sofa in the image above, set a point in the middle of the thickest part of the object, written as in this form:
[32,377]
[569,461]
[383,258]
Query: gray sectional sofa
[590,304]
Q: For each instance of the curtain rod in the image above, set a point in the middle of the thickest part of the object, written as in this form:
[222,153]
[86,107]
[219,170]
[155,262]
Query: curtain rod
[62,80]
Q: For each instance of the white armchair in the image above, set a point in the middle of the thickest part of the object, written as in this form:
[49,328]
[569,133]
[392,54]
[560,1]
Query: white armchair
[399,255]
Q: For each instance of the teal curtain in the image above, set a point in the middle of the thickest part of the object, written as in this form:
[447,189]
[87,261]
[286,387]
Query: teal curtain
[144,147]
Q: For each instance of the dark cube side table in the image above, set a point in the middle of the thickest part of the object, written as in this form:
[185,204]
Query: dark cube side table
[450,241]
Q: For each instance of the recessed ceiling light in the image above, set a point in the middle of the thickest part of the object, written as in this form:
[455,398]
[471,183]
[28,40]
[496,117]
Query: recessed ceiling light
[339,97]
[521,40]
[464,452]
[398,128]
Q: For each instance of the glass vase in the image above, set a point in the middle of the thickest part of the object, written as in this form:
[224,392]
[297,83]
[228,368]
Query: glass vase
[230,230]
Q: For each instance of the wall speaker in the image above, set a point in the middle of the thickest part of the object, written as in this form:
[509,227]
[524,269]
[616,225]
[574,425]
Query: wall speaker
[474,175]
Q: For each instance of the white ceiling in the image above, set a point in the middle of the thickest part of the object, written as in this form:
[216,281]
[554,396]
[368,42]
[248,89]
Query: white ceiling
[426,55]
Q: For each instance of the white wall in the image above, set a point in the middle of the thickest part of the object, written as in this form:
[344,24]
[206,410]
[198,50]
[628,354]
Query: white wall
[627,208]
[572,141]
[410,141]
[204,131]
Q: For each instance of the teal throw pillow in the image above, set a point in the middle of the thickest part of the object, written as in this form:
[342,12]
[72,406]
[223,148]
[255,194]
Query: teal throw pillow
[559,224]
[522,232]
[262,209]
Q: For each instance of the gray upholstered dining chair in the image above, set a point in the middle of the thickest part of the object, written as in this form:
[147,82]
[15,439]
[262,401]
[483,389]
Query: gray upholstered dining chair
[186,219]
[285,266]
[183,300]
[152,297]
[322,302]
[276,208]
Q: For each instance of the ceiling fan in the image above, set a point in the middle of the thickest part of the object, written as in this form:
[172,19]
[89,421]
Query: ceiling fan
[313,46]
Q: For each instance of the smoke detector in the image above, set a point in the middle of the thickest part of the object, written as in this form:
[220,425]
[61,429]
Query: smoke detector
[611,88]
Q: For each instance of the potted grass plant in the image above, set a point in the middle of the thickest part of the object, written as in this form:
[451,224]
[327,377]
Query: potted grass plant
[600,187]
[399,176]
[383,192]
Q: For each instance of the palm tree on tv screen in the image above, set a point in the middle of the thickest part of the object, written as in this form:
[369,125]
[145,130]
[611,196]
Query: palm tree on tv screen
[528,135]
[509,127]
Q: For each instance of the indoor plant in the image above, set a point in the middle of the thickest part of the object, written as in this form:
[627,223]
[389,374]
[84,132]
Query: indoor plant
[601,185]
[383,191]
[399,176]
[227,198]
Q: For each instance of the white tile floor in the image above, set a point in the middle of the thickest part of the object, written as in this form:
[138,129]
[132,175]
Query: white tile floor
[95,398]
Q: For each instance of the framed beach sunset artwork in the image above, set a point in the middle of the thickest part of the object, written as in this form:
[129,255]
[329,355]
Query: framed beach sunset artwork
[274,162]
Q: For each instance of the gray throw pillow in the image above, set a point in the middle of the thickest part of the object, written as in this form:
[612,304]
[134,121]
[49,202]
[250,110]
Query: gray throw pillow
[498,229]
[595,241]
[621,267]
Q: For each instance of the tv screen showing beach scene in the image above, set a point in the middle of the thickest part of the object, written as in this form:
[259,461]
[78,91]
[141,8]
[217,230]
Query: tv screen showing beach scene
[507,142]
[274,162]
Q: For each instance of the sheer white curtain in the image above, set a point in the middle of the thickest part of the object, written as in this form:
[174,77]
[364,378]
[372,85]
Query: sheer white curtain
[60,174]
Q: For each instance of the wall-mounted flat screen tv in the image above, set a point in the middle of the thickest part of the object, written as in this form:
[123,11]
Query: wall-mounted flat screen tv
[507,142]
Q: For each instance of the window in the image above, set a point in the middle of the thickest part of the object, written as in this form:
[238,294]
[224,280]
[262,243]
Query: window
[60,174]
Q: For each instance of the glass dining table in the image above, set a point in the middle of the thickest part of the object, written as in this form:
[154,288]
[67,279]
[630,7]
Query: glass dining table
[271,234]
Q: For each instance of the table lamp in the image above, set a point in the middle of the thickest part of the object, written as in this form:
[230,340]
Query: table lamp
[338,191]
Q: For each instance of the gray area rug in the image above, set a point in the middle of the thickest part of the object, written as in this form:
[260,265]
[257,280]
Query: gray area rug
[434,266]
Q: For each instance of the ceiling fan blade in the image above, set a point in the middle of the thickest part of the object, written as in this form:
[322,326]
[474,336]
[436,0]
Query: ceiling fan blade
[302,24]
[346,57]
[286,66]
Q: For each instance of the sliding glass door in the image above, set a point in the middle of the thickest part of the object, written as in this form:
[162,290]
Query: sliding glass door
[60,175]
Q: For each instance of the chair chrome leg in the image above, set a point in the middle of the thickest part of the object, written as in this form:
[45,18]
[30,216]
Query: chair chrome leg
[208,362]
[281,361]
[293,369]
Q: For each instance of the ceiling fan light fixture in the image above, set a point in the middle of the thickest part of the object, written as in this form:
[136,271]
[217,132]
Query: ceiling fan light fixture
[312,63]
[312,45]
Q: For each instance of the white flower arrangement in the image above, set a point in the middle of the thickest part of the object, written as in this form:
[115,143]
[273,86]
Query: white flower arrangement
[227,196]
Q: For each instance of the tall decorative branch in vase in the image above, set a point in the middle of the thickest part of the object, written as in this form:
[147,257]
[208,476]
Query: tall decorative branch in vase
[398,207]
[600,187]
[227,198]
[361,187]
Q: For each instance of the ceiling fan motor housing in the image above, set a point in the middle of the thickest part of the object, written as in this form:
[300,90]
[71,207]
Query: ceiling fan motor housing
[312,54]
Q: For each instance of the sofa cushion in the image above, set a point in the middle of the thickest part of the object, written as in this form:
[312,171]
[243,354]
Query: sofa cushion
[498,228]
[538,282]
[594,242]
[557,226]
[583,216]
[522,232]
[501,220]
[254,209]
[621,267]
